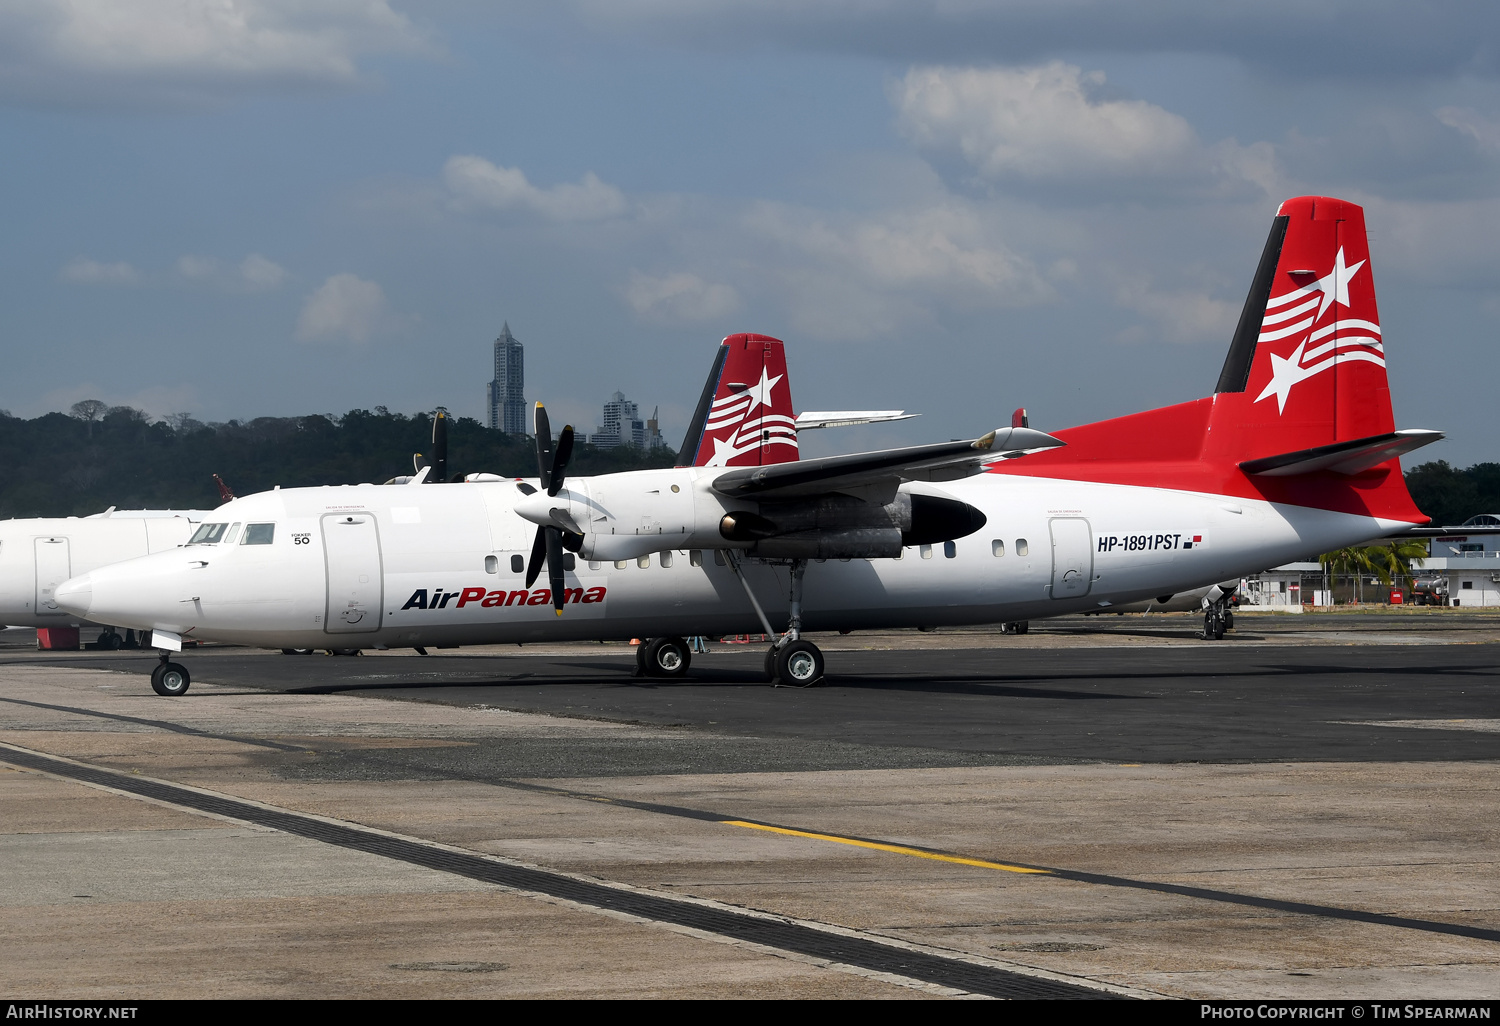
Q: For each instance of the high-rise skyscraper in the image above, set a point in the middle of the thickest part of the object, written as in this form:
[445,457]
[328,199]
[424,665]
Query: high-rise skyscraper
[505,396]
[621,426]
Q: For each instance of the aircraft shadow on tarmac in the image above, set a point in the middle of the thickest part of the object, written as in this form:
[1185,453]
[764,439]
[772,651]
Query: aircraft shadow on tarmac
[975,685]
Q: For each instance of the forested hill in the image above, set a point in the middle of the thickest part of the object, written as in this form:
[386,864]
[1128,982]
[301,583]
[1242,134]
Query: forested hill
[60,465]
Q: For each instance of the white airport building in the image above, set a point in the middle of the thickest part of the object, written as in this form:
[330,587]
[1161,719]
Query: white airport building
[1463,570]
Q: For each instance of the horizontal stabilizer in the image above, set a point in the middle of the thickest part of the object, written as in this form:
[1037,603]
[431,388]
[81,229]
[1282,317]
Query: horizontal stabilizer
[1343,457]
[806,420]
[941,461]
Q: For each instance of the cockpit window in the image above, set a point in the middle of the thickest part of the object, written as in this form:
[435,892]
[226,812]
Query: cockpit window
[259,534]
[234,531]
[207,534]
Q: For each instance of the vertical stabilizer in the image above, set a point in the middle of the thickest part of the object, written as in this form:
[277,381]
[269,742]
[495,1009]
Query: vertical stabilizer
[1307,364]
[744,417]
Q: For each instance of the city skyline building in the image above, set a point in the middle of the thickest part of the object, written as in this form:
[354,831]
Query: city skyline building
[622,425]
[505,396]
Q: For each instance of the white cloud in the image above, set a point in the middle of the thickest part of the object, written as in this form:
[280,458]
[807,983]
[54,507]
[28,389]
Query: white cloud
[92,272]
[1180,316]
[680,297]
[1048,124]
[253,274]
[344,307]
[859,277]
[475,182]
[256,272]
[939,246]
[1483,130]
[97,50]
[197,267]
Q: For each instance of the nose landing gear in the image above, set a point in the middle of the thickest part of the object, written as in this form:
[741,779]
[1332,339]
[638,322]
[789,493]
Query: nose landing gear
[170,679]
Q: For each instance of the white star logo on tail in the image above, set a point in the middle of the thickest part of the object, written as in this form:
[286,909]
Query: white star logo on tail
[1335,286]
[1358,338]
[761,391]
[1287,372]
[760,395]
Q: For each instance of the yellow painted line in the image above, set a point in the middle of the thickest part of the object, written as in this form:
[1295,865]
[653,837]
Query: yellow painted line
[894,849]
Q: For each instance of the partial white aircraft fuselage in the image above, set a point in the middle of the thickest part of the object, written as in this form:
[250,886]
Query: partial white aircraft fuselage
[361,566]
[38,554]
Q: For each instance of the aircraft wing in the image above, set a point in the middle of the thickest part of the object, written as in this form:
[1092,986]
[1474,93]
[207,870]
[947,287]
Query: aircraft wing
[807,420]
[942,461]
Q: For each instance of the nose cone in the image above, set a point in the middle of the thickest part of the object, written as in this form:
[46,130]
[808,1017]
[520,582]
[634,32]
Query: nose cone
[75,595]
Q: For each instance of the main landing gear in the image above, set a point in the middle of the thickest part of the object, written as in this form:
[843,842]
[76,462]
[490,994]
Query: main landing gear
[170,679]
[791,661]
[662,657]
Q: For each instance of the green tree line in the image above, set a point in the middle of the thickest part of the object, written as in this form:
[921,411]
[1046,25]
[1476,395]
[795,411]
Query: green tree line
[74,465]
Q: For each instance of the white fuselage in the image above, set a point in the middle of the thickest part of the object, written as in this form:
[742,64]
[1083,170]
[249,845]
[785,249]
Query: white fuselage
[36,555]
[365,566]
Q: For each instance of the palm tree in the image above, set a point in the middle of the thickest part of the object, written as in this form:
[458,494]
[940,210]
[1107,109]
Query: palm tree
[1353,560]
[1394,561]
[1386,562]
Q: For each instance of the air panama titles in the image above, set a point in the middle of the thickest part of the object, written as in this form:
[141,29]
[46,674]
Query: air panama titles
[439,599]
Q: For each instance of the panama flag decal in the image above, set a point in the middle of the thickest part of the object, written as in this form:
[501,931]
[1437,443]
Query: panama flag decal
[1297,314]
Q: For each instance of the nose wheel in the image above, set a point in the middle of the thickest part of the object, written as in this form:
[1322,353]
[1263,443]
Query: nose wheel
[170,679]
[1216,620]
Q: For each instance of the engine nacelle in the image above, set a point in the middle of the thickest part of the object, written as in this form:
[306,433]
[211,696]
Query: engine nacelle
[844,527]
[628,516]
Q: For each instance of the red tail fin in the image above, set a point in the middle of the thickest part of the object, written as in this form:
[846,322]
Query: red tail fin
[1307,366]
[744,418]
[1302,412]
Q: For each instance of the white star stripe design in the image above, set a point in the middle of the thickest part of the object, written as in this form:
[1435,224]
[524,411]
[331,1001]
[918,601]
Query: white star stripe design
[1359,338]
[747,432]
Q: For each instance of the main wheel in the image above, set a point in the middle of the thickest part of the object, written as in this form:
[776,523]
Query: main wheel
[170,679]
[667,657]
[771,664]
[640,656]
[799,664]
[111,641]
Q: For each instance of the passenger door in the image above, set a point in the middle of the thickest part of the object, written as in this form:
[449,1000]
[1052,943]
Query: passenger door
[1072,557]
[52,568]
[351,549]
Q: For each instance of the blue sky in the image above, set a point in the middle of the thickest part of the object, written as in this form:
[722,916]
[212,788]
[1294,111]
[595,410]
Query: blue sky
[265,207]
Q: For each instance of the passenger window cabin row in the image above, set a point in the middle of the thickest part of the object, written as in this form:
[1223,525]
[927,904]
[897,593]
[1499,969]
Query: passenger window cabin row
[695,557]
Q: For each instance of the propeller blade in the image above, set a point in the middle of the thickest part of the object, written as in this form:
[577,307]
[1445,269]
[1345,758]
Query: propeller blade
[418,462]
[439,447]
[560,460]
[544,448]
[555,567]
[538,553]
